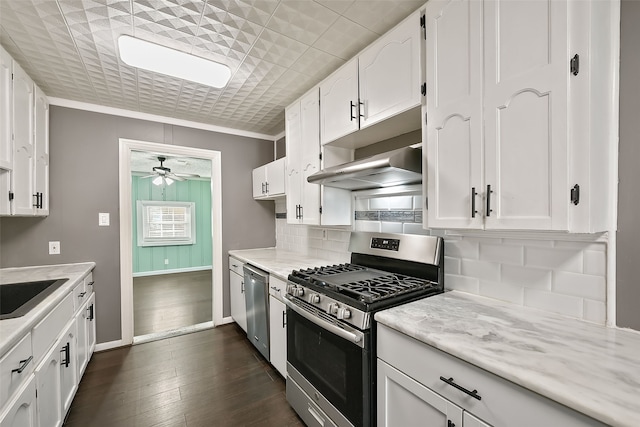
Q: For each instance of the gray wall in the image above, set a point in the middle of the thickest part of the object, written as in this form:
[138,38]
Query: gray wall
[84,181]
[628,284]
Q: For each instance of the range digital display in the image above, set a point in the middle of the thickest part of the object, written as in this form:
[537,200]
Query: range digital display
[386,244]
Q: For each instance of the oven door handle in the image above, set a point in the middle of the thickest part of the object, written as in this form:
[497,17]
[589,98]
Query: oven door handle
[355,337]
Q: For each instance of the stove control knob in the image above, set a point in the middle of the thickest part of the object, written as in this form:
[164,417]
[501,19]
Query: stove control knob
[332,308]
[344,313]
[298,292]
[314,298]
[290,289]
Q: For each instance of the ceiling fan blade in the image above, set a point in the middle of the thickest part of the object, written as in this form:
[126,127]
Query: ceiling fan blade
[176,177]
[149,176]
[193,175]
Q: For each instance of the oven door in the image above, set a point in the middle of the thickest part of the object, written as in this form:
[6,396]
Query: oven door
[333,357]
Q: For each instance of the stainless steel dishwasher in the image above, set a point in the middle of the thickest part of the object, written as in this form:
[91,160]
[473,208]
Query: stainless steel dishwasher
[256,284]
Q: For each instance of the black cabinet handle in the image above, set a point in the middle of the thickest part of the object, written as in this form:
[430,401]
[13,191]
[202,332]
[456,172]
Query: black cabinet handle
[351,110]
[90,310]
[242,287]
[23,365]
[473,202]
[82,294]
[473,393]
[284,319]
[360,106]
[41,200]
[450,423]
[67,355]
[267,186]
[489,200]
[90,283]
[301,212]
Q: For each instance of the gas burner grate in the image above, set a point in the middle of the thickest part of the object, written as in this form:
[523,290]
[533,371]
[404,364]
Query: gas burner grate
[329,270]
[384,287]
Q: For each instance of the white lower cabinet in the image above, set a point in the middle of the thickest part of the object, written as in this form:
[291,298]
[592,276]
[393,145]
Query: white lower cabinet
[278,325]
[236,290]
[421,385]
[48,385]
[59,347]
[68,365]
[21,411]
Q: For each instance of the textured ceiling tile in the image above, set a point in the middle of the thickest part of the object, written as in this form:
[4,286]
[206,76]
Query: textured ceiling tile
[256,11]
[277,48]
[302,20]
[377,16]
[317,64]
[345,39]
[338,6]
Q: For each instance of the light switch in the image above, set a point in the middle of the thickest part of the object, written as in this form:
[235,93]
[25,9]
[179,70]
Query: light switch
[103,219]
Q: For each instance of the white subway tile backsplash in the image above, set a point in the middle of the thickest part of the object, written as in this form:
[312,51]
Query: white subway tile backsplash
[461,283]
[315,233]
[527,277]
[562,259]
[379,203]
[338,235]
[461,248]
[595,311]
[579,285]
[451,265]
[531,242]
[418,203]
[391,227]
[361,204]
[412,228]
[500,252]
[595,262]
[501,291]
[557,303]
[394,202]
[368,226]
[479,269]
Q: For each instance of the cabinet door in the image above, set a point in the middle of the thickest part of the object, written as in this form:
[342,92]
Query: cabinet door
[275,177]
[68,366]
[82,348]
[525,112]
[278,335]
[23,145]
[259,181]
[454,108]
[402,401]
[238,305]
[339,108]
[49,390]
[471,421]
[41,138]
[6,90]
[310,156]
[91,327]
[21,412]
[293,129]
[389,73]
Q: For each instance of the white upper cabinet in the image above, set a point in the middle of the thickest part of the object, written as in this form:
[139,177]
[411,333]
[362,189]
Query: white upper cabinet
[389,73]
[24,142]
[22,181]
[6,89]
[505,143]
[268,180]
[380,83]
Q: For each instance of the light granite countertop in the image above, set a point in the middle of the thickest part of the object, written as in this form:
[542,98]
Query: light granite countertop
[12,330]
[278,261]
[590,368]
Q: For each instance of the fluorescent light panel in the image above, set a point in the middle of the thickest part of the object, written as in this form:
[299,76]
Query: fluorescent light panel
[159,59]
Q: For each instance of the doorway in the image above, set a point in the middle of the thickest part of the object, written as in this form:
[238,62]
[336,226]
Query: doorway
[177,310]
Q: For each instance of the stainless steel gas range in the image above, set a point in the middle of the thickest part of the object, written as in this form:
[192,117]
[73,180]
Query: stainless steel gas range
[330,325]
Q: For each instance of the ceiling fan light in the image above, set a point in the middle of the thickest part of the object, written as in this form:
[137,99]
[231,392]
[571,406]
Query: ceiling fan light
[157,180]
[169,181]
[160,59]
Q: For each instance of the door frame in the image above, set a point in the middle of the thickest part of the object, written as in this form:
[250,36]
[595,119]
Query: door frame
[126,146]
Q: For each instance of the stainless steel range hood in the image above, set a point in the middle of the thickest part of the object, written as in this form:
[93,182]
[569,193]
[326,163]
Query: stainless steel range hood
[397,167]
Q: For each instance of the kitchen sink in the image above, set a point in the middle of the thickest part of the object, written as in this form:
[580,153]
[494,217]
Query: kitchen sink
[17,299]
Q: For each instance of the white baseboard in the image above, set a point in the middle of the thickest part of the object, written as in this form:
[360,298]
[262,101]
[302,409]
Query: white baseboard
[171,271]
[109,345]
[226,320]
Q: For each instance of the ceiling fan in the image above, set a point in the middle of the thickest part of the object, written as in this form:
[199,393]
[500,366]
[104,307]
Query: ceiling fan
[163,174]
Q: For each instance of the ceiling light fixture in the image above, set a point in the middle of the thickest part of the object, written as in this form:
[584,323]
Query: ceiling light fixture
[160,59]
[162,179]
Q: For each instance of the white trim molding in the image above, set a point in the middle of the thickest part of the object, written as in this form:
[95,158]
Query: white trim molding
[126,146]
[109,345]
[172,271]
[68,103]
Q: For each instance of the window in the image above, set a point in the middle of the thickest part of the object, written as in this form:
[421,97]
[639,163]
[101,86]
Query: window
[166,223]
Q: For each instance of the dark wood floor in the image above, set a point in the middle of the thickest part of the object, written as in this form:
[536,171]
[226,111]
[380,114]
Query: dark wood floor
[171,301]
[209,378]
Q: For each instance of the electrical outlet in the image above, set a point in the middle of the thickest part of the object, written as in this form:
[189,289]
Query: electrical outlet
[54,248]
[166,262]
[103,219]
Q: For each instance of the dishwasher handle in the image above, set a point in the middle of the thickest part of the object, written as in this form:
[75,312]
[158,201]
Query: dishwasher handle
[256,272]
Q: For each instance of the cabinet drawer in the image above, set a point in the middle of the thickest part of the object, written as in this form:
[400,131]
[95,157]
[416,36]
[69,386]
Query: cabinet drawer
[277,288]
[48,329]
[502,403]
[236,266]
[15,366]
[80,295]
[88,282]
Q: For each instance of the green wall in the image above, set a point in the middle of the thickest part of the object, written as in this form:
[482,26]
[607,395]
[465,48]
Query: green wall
[151,258]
